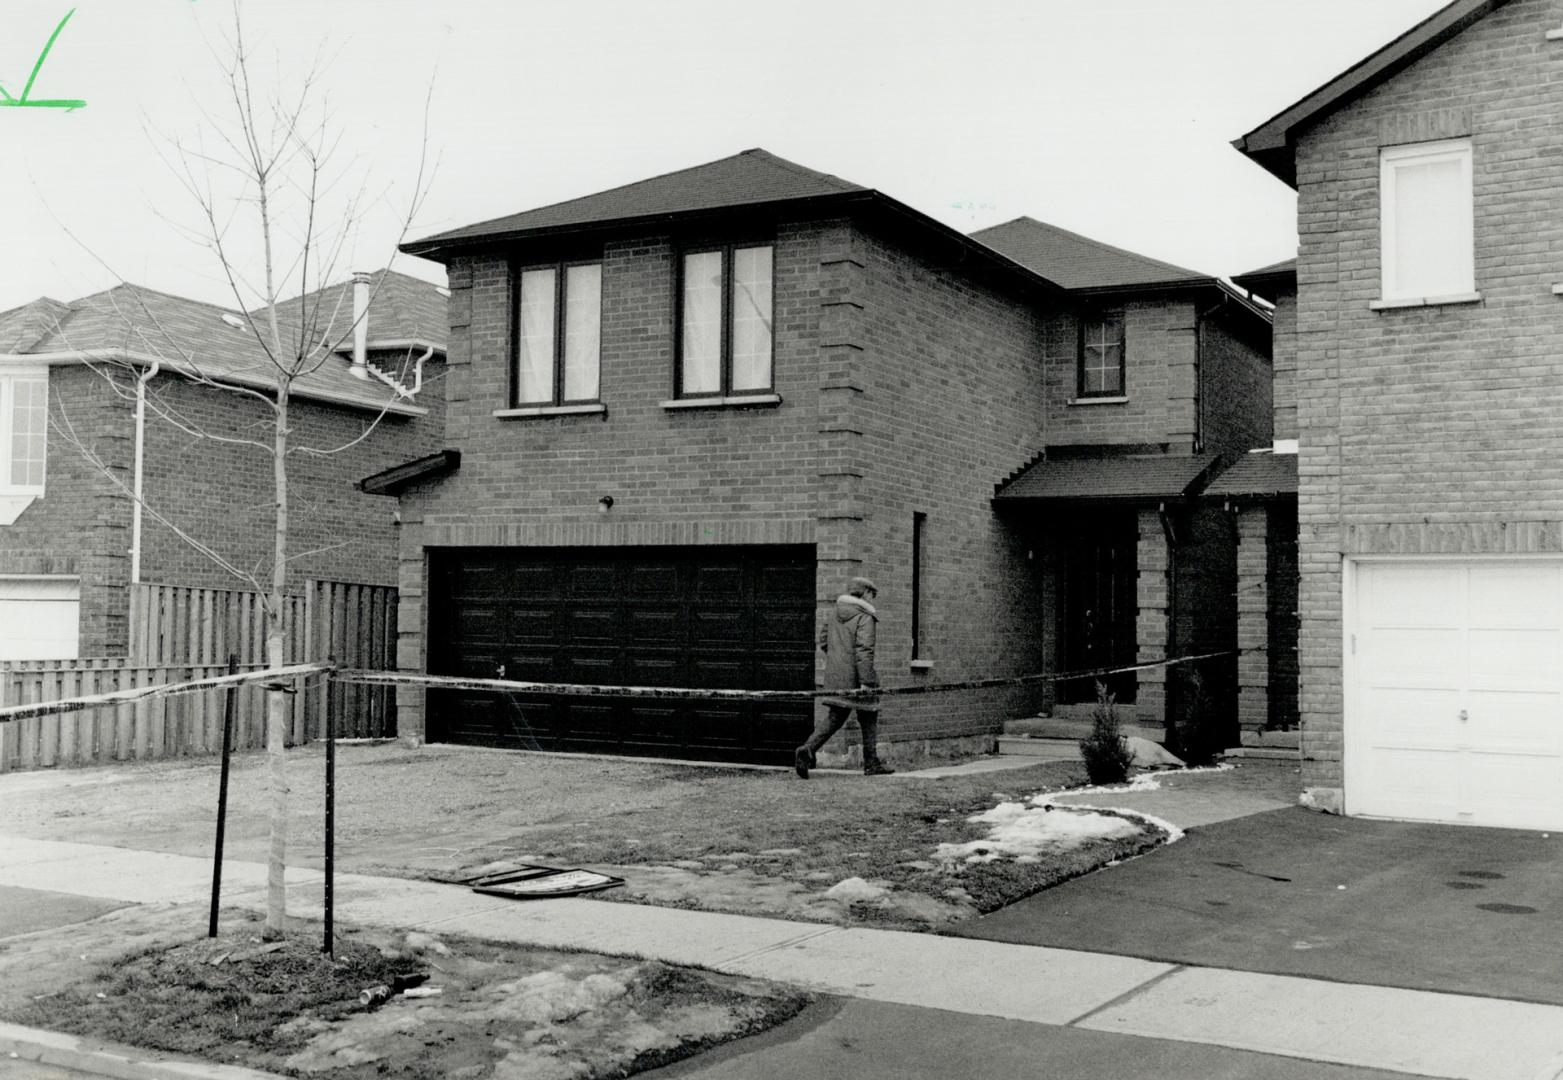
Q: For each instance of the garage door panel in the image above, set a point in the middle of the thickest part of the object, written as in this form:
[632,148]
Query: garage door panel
[1521,659]
[1423,596]
[1511,791]
[1514,722]
[1516,596]
[713,616]
[662,625]
[1405,716]
[1414,783]
[1415,656]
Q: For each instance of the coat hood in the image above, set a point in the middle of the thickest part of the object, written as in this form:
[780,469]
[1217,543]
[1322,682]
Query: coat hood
[850,607]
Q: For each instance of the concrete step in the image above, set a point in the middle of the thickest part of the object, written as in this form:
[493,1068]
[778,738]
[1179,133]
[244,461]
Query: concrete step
[1041,749]
[1075,728]
[1272,740]
[1263,753]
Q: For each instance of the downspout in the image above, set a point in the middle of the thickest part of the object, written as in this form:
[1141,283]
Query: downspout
[135,505]
[1170,717]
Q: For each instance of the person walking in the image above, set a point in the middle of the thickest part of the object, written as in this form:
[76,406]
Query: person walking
[847,638]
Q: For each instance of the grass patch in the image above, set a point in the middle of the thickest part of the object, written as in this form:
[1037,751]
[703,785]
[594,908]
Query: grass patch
[522,1011]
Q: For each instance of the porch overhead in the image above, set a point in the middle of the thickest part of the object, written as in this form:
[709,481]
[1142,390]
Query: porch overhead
[1257,474]
[1108,478]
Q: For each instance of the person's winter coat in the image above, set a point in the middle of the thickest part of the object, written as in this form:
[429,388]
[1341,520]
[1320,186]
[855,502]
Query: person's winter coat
[847,636]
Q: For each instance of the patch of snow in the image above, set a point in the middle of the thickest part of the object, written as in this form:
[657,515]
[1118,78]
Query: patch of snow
[779,851]
[1020,830]
[548,997]
[1174,833]
[855,890]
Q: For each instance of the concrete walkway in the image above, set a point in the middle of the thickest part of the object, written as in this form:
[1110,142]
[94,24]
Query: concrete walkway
[1371,1027]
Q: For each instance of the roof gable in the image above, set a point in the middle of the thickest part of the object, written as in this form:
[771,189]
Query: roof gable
[1078,262]
[1272,145]
[23,327]
[751,178]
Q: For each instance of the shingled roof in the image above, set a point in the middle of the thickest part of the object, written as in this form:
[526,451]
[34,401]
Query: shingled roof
[752,178]
[402,309]
[138,324]
[1078,262]
[1257,474]
[1126,476]
[21,328]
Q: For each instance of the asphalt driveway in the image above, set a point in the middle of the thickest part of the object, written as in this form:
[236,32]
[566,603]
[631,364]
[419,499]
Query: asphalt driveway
[1296,892]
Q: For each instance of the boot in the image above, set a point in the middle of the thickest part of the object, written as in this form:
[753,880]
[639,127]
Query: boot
[875,767]
[802,761]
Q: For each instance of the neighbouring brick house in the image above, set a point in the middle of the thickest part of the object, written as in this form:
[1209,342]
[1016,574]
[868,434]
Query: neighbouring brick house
[71,541]
[683,412]
[1427,388]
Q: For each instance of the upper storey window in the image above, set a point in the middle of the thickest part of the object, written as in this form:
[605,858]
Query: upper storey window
[1426,221]
[1101,356]
[558,349]
[24,403]
[725,324]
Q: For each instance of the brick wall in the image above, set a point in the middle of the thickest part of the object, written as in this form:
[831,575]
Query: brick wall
[81,526]
[1428,429]
[1160,352]
[1284,383]
[1235,384]
[335,531]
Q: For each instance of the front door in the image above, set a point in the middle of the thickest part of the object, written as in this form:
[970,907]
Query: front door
[1100,611]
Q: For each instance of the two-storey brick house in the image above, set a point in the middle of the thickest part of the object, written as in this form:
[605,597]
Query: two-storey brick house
[1428,382]
[73,379]
[683,413]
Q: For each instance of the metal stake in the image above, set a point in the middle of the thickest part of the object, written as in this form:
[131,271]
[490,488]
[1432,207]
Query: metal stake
[222,795]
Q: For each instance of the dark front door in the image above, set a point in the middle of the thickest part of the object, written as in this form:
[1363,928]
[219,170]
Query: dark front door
[1100,610]
[690,617]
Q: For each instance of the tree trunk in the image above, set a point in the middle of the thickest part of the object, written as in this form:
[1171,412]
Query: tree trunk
[276,700]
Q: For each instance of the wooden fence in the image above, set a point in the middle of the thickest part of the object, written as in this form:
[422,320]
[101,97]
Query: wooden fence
[163,727]
[179,633]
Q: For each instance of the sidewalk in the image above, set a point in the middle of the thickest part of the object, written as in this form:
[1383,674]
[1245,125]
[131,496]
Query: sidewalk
[1367,1027]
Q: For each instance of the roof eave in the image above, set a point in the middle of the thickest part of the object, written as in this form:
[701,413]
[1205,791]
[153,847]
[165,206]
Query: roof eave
[391,481]
[123,356]
[1272,144]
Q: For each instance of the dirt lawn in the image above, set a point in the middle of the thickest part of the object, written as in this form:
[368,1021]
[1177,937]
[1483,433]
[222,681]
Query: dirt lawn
[887,851]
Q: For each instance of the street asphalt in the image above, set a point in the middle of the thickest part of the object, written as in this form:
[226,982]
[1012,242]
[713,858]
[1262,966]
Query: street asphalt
[1293,892]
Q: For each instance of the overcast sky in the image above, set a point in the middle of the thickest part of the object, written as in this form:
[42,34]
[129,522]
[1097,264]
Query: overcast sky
[1109,117]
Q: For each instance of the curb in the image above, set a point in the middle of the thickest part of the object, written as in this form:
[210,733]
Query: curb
[112,1060]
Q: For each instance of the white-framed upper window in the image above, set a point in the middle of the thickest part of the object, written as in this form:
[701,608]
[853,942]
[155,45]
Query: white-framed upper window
[1426,219]
[24,424]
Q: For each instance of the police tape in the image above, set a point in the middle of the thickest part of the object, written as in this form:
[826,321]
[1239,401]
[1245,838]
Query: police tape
[513,686]
[272,677]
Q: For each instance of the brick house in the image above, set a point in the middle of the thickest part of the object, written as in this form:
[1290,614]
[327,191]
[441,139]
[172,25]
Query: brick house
[683,412]
[71,539]
[1426,385]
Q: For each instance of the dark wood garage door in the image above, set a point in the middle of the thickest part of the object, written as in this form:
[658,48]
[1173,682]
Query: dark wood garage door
[700,617]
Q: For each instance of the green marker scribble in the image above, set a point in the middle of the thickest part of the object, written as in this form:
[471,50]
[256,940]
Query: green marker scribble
[42,103]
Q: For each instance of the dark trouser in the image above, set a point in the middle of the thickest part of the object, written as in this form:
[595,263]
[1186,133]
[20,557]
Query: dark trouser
[835,716]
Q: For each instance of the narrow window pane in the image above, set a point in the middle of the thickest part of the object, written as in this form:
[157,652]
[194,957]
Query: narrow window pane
[29,419]
[535,338]
[752,318]
[582,332]
[701,362]
[1430,257]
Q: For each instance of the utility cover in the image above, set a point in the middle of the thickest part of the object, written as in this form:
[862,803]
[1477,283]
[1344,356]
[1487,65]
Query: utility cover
[547,882]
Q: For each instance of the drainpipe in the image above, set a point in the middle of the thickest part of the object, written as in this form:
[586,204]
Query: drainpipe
[360,366]
[135,505]
[1170,715]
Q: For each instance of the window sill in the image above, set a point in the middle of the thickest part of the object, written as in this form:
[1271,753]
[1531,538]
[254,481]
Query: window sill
[1425,301]
[736,401]
[530,412]
[920,665]
[1099,401]
[12,504]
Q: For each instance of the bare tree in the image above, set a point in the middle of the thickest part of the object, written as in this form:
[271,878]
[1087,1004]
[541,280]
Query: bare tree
[262,174]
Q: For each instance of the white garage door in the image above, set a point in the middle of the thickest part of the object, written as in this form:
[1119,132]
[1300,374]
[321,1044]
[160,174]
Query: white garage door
[39,618]
[1454,680]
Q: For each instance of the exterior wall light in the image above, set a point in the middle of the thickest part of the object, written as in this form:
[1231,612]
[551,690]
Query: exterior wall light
[605,504]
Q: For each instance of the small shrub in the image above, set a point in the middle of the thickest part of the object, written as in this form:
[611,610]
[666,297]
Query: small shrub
[1105,751]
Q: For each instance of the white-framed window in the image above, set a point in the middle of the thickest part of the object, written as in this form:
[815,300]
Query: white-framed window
[1426,220]
[24,424]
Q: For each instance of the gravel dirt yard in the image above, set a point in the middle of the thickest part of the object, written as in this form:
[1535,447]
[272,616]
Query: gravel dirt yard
[889,851]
